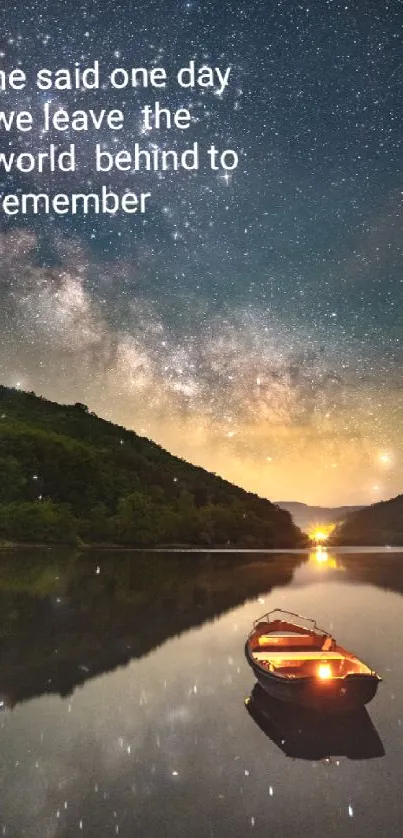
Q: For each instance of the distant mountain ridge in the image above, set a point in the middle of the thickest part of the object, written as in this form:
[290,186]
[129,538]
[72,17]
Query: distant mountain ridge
[305,516]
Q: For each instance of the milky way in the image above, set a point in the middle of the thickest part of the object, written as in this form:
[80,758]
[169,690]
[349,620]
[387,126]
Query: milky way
[251,324]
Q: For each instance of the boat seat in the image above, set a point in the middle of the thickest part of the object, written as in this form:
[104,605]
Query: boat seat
[278,654]
[300,641]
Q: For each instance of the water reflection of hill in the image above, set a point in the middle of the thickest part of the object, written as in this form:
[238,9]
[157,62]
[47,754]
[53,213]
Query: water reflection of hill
[64,619]
[381,569]
[384,570]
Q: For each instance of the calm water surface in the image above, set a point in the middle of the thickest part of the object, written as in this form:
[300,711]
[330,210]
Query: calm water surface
[123,684]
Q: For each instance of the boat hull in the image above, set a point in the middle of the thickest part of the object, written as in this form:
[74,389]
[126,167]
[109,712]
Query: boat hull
[338,695]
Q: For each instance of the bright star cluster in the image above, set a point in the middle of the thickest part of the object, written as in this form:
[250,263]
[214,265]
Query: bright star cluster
[250,323]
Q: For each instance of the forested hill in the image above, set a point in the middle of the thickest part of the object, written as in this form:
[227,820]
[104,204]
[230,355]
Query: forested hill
[66,474]
[379,524]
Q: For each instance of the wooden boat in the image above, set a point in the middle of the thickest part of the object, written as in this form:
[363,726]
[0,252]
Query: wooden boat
[294,660]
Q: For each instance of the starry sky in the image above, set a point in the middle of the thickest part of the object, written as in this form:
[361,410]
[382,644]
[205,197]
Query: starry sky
[251,324]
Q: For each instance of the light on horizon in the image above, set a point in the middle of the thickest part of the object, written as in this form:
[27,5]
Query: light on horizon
[319,534]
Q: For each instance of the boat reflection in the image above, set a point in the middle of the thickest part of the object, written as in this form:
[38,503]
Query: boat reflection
[302,733]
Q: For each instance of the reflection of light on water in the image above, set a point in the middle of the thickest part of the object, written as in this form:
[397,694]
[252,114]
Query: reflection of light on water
[321,554]
[321,558]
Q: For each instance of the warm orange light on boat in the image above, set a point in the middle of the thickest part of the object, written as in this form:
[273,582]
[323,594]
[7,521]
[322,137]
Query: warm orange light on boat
[324,671]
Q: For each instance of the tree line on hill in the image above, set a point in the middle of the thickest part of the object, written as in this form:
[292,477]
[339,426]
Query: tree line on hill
[379,524]
[67,475]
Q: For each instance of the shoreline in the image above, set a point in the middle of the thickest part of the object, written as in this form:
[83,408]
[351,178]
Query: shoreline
[193,548]
[173,548]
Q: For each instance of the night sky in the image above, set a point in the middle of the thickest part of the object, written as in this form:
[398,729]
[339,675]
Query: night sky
[250,324]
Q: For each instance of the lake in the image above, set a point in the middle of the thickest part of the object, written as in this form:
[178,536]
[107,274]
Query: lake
[123,684]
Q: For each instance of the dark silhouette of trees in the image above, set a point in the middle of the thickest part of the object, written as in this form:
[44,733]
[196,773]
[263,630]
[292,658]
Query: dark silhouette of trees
[381,523]
[66,474]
